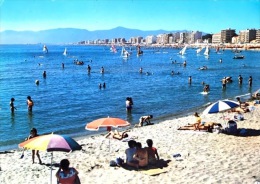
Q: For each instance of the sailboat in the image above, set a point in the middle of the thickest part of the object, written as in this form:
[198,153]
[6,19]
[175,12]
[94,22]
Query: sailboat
[182,52]
[113,49]
[45,49]
[206,53]
[124,53]
[65,52]
[199,50]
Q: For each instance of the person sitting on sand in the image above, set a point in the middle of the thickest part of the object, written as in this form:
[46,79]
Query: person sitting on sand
[66,174]
[152,152]
[117,135]
[198,121]
[130,152]
[141,155]
[145,119]
[242,105]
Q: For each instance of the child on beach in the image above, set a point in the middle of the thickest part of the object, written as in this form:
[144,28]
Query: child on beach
[66,174]
[152,152]
[145,119]
[33,133]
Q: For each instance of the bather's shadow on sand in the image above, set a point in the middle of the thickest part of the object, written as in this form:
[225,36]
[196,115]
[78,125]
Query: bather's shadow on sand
[246,132]
[160,164]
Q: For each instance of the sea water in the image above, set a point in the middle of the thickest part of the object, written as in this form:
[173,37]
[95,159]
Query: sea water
[69,98]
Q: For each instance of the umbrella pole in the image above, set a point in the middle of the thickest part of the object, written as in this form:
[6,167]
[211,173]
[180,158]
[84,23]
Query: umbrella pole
[51,166]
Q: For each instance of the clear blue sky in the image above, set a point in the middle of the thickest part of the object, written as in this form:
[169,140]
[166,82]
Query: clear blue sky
[204,15]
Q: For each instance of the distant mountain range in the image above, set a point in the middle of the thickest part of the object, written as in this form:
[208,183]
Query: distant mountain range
[72,35]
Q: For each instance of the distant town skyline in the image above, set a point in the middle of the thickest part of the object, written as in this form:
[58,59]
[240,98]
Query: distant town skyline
[209,16]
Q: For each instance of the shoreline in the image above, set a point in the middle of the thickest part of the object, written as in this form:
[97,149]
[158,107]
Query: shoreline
[156,120]
[205,157]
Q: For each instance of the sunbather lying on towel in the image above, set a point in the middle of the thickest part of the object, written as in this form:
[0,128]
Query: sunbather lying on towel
[117,135]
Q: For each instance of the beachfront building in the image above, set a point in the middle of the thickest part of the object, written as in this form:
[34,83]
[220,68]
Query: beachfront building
[257,39]
[136,40]
[159,39]
[227,34]
[182,37]
[246,36]
[194,36]
[235,40]
[216,38]
[151,39]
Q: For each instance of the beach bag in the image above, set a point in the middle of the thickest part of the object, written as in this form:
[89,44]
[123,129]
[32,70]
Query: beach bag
[112,163]
[119,161]
[232,127]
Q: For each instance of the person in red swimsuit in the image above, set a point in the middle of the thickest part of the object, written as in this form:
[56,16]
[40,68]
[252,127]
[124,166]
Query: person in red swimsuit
[153,155]
[66,174]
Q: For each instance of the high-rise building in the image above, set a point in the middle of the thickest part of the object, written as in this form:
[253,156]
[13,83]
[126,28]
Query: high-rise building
[216,38]
[257,39]
[227,34]
[246,36]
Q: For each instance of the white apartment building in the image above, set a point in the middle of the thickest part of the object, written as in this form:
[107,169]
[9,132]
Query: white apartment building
[151,39]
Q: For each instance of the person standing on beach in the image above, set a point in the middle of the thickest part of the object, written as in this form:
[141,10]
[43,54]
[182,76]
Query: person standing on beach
[240,79]
[33,133]
[29,103]
[250,80]
[66,174]
[12,107]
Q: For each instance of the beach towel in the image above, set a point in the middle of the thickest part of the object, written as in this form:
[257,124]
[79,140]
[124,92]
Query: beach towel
[153,171]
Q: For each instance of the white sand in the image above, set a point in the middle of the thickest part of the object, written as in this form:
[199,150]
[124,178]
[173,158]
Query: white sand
[206,157]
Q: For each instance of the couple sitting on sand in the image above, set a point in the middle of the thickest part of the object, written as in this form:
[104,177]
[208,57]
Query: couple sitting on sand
[136,156]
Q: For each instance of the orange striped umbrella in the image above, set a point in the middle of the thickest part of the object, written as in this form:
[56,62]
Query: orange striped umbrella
[106,122]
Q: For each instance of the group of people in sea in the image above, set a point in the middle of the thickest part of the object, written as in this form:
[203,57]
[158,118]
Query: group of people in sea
[226,80]
[30,104]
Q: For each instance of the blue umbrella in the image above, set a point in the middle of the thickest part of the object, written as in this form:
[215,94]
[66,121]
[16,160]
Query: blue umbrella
[220,106]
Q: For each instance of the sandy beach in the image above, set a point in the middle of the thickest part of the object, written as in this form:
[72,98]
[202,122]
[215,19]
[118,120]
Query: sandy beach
[205,157]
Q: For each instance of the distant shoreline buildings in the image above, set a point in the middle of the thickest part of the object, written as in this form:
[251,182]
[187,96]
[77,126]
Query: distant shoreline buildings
[226,36]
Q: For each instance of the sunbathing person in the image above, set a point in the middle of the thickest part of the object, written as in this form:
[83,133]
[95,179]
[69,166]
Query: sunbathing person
[141,155]
[152,152]
[117,135]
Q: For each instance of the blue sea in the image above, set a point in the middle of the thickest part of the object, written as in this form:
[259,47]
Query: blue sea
[69,98]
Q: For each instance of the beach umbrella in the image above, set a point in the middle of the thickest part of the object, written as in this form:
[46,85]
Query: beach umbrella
[51,142]
[220,106]
[108,123]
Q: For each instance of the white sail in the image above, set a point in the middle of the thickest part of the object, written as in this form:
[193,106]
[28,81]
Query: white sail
[199,50]
[65,52]
[124,53]
[206,53]
[45,49]
[182,52]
